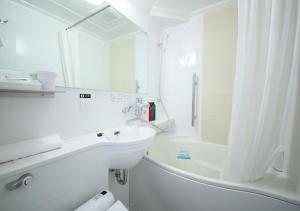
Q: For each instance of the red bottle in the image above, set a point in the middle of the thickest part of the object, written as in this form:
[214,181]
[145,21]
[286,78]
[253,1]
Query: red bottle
[150,113]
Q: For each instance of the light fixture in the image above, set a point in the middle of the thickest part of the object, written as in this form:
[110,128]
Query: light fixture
[95,2]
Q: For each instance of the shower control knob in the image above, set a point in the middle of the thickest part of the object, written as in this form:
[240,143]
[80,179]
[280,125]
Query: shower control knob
[24,181]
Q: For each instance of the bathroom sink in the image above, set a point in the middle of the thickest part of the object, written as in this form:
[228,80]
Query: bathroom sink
[126,146]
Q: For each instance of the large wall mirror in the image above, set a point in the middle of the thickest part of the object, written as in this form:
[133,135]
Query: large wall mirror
[89,44]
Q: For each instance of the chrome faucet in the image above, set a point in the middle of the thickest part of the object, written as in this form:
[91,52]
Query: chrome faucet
[136,107]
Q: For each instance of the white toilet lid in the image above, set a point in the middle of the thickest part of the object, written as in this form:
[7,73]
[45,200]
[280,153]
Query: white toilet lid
[118,206]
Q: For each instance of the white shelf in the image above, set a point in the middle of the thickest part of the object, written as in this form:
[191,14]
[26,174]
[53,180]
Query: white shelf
[162,123]
[42,92]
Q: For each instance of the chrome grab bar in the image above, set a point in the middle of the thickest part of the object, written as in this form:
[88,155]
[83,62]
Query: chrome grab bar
[194,98]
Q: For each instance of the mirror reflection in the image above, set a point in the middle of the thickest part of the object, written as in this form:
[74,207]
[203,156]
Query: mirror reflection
[88,44]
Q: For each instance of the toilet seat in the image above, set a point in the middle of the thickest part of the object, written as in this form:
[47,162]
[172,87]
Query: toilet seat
[117,206]
[103,201]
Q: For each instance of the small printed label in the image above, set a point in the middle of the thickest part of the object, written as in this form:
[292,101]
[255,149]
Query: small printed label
[85,96]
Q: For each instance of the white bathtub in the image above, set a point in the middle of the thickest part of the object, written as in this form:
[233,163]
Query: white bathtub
[162,182]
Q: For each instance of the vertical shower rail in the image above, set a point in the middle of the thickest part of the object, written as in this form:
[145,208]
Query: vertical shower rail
[194,98]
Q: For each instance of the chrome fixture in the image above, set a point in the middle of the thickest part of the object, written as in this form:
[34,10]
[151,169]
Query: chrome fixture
[3,21]
[23,181]
[89,16]
[116,133]
[121,175]
[194,98]
[1,43]
[136,107]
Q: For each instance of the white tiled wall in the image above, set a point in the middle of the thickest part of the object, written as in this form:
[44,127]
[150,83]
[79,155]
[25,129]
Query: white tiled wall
[219,48]
[182,58]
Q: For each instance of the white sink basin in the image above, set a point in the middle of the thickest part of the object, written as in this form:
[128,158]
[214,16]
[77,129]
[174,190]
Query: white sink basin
[126,146]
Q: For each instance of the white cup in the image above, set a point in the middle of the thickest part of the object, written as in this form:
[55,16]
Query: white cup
[47,79]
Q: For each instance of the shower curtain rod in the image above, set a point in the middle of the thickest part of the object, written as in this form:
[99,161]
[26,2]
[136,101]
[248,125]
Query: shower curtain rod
[89,16]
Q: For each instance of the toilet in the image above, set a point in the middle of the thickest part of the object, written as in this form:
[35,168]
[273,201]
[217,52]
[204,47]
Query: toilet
[117,206]
[103,201]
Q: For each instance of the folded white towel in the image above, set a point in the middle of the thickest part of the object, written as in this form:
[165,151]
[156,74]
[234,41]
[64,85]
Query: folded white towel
[26,148]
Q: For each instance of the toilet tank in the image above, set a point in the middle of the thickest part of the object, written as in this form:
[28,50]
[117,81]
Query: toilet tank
[59,185]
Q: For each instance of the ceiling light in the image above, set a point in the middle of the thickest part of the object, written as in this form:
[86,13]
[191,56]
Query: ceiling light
[95,2]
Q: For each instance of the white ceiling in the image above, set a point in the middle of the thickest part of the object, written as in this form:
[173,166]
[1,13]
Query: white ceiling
[107,24]
[107,19]
[176,8]
[110,24]
[144,4]
[186,6]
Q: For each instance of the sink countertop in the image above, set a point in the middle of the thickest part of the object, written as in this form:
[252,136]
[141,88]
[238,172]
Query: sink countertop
[70,146]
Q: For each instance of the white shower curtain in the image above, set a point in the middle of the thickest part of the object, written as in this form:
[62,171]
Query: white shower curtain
[265,85]
[68,46]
